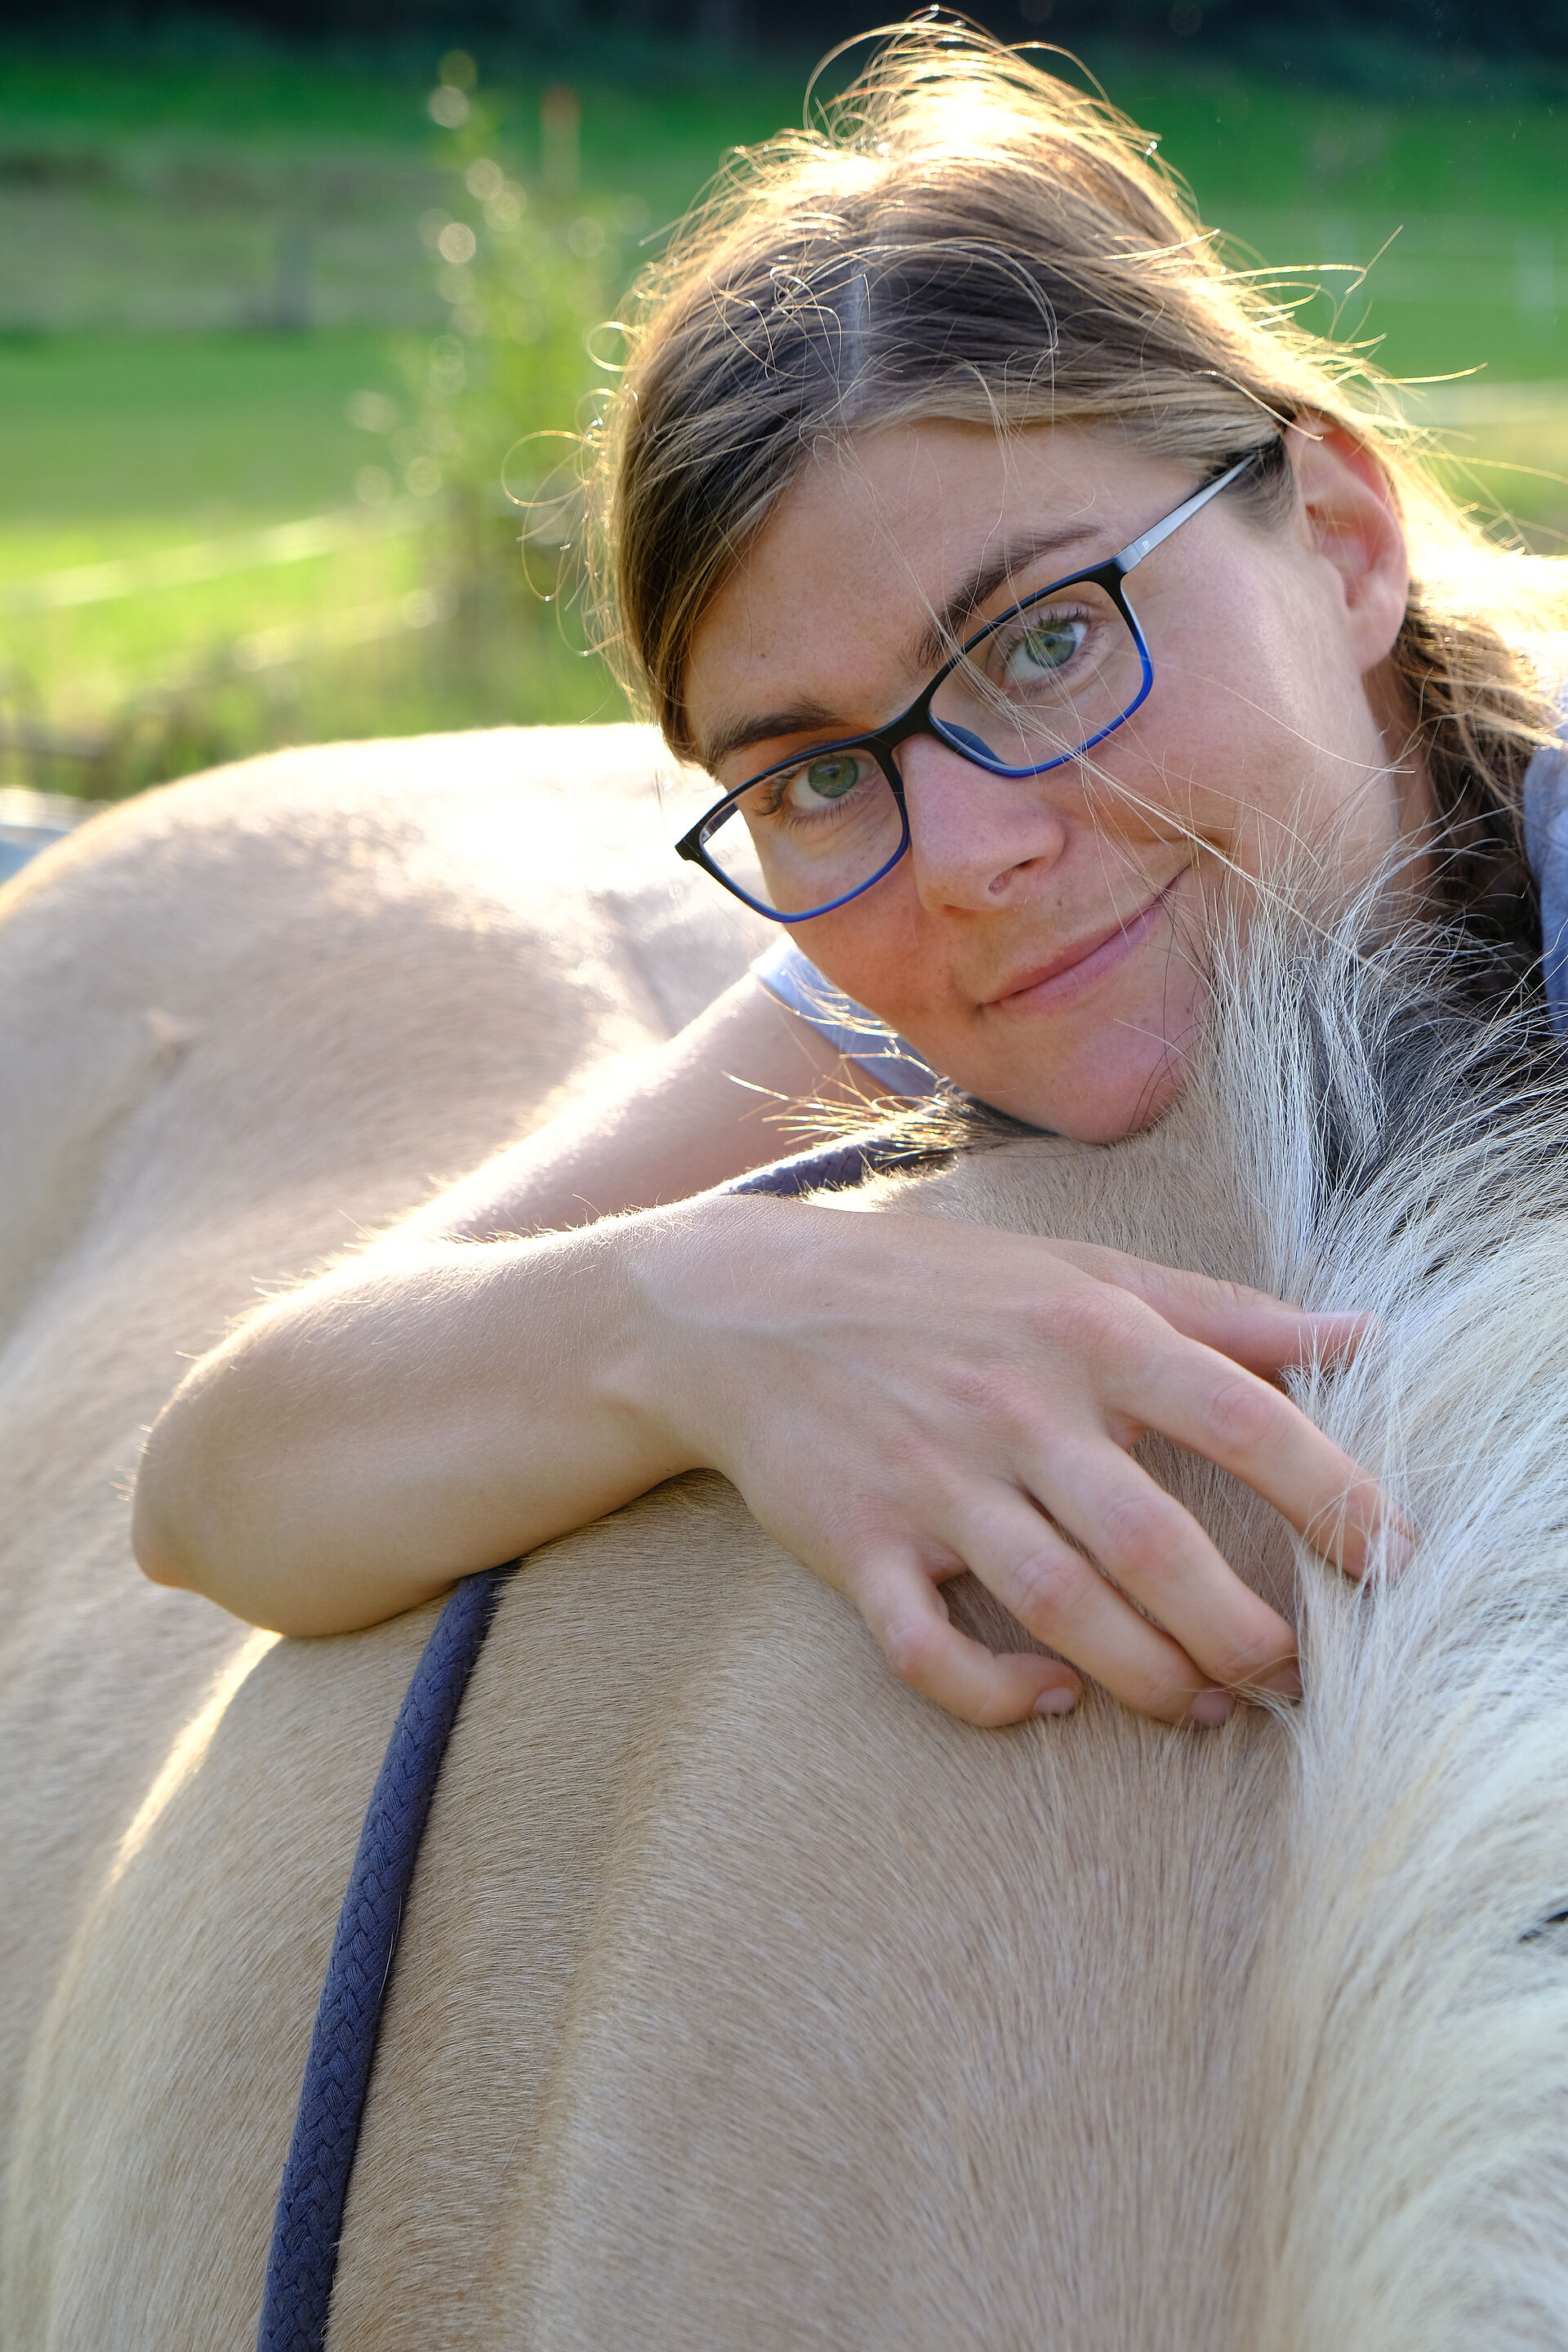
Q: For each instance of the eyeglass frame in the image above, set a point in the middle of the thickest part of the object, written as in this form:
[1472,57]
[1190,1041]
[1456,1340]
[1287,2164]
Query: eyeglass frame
[916,720]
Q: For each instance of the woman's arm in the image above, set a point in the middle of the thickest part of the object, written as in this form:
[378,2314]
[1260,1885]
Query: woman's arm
[362,1443]
[690,1115]
[897,1397]
[335,1460]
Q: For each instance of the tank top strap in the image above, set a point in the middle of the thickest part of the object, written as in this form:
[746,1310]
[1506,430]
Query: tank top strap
[790,976]
[1546,846]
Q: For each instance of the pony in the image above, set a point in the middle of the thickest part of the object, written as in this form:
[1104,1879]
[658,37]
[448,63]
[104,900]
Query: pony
[742,1997]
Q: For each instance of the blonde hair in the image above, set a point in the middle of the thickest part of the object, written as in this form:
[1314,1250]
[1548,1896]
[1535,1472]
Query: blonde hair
[964,235]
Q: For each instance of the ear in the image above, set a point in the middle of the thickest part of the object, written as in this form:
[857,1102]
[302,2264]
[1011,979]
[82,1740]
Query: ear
[1351,519]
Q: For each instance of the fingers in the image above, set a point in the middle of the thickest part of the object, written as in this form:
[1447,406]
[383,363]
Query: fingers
[1200,1377]
[1211,1405]
[1000,1441]
[1064,1599]
[907,1614]
[1222,1631]
[1249,1326]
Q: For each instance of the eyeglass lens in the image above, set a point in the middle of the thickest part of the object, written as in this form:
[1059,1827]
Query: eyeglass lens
[1036,689]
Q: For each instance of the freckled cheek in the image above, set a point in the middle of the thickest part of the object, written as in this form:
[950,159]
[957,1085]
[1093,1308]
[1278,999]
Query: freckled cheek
[874,957]
[1213,759]
[1182,786]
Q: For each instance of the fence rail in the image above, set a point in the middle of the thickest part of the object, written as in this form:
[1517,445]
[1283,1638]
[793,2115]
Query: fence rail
[212,559]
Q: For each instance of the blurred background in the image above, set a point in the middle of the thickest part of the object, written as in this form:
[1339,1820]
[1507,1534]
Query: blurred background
[289,289]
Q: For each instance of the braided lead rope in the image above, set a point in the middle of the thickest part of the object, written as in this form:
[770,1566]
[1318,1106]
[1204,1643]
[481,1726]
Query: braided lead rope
[303,2258]
[834,1168]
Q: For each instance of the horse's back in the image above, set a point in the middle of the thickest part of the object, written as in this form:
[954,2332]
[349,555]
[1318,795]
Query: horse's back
[244,1020]
[739,1997]
[742,1997]
[705,1896]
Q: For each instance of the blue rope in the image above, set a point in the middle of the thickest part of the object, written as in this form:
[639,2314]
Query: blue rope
[302,2260]
[834,1167]
[303,2257]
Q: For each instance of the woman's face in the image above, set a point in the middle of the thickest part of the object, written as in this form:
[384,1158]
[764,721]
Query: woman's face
[1042,943]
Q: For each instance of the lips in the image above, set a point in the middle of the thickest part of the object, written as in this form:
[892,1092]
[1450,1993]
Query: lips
[1084,962]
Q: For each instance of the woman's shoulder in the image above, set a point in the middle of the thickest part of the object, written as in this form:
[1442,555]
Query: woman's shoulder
[789,974]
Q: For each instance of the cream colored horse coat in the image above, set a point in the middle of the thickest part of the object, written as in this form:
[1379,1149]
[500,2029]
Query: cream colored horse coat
[744,2001]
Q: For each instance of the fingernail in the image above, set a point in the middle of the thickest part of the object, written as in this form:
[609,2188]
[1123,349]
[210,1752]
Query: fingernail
[1060,1701]
[1286,1684]
[1399,1549]
[1211,1708]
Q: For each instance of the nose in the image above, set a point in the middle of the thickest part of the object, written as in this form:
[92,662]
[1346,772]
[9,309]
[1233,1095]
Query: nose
[977,840]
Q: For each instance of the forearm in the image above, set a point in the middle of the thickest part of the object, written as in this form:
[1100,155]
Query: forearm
[358,1446]
[437,1407]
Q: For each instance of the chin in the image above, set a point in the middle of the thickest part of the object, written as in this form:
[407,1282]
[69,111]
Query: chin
[1112,1117]
[1095,1111]
[1111,1069]
[1143,1107]
[1108,1096]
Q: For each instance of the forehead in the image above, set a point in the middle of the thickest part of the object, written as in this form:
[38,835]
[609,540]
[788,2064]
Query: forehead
[920,486]
[833,599]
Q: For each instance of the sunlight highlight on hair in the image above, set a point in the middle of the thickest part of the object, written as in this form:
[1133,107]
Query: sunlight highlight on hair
[962,234]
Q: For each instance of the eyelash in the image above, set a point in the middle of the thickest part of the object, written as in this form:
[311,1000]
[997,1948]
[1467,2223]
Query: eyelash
[778,785]
[1007,642]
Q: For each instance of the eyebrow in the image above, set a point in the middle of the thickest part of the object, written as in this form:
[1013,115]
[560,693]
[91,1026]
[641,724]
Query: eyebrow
[938,641]
[739,733]
[930,649]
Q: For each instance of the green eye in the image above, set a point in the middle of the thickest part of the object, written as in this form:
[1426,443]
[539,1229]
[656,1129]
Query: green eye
[1046,645]
[825,780]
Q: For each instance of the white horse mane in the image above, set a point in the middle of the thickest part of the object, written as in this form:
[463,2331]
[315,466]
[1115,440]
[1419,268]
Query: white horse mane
[1358,1135]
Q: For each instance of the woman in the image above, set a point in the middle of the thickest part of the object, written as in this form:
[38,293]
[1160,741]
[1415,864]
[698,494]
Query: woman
[960,372]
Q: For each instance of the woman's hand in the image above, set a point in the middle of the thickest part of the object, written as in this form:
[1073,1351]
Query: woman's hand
[897,1397]
[900,1398]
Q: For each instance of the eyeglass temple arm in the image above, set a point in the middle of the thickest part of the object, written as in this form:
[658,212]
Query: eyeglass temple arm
[1137,549]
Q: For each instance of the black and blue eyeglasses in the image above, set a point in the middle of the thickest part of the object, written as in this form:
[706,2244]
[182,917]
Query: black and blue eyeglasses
[1041,685]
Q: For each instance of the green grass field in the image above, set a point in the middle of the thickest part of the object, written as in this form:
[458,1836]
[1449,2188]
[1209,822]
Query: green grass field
[223,310]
